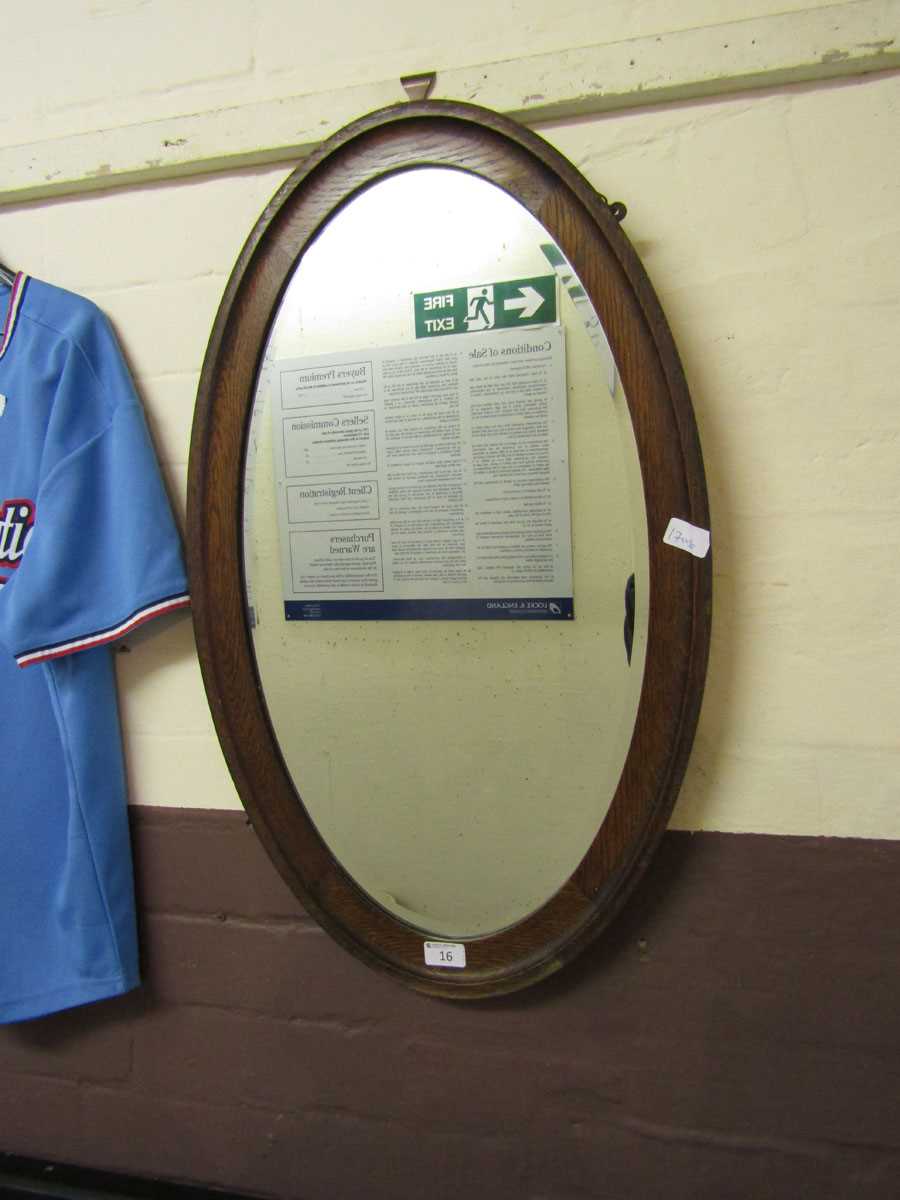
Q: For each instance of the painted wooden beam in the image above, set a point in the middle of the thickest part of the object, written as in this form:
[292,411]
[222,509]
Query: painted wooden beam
[853,38]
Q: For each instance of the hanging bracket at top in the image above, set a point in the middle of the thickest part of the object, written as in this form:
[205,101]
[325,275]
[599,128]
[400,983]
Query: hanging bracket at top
[418,87]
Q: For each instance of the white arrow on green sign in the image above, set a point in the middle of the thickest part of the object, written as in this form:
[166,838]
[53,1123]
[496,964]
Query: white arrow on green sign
[505,305]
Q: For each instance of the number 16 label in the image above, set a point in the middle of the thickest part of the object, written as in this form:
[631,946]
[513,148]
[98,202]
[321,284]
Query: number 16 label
[445,954]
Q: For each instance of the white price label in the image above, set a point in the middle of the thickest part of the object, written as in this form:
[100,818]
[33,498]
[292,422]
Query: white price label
[445,954]
[685,536]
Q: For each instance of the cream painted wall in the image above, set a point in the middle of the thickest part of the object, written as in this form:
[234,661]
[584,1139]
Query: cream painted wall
[770,225]
[64,59]
[771,228]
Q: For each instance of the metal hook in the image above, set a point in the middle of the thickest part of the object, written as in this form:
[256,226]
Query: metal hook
[417,87]
[616,209]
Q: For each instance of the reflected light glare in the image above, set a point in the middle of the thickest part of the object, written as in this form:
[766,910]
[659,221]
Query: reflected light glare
[421,240]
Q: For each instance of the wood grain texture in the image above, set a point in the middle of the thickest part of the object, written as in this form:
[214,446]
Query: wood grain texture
[494,148]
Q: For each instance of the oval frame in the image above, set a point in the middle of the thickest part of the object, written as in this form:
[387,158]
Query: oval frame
[444,133]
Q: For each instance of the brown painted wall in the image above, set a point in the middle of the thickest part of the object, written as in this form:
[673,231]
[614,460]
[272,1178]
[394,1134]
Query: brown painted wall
[736,1034]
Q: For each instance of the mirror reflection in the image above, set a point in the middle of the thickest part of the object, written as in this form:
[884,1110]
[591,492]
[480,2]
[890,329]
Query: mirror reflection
[458,768]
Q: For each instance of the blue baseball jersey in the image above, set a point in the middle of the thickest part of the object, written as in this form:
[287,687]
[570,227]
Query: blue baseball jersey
[88,551]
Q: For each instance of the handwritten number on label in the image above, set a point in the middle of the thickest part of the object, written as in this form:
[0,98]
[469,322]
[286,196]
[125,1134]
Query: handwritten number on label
[684,536]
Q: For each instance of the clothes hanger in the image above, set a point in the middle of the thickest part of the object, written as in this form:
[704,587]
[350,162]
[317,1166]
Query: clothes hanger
[7,276]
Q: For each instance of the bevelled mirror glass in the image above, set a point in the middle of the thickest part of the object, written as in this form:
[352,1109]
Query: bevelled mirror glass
[454,651]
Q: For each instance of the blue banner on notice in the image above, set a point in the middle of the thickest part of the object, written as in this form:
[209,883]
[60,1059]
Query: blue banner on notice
[546,608]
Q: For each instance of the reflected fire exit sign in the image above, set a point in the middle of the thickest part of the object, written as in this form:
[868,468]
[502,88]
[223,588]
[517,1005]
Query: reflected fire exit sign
[506,305]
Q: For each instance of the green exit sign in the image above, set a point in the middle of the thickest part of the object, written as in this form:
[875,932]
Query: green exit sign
[506,305]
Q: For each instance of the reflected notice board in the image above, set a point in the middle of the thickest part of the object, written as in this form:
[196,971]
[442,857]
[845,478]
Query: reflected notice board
[425,481]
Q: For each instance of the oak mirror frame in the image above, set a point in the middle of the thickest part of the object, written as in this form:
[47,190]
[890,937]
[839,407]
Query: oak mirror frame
[587,232]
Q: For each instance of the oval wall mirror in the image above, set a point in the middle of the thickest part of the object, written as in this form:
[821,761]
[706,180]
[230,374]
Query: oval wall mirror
[441,433]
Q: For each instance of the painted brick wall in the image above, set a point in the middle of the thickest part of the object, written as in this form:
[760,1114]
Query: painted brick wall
[734,1035]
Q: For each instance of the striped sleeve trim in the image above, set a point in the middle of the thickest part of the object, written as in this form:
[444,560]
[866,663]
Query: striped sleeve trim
[103,636]
[16,296]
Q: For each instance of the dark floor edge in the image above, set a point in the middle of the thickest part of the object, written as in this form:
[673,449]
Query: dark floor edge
[32,1177]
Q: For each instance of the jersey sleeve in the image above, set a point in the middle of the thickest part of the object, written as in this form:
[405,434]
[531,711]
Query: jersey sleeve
[104,554]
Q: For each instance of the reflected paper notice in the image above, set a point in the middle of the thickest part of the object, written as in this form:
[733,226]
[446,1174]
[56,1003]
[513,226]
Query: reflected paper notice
[425,481]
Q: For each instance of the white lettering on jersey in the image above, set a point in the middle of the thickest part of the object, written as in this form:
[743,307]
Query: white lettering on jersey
[16,525]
